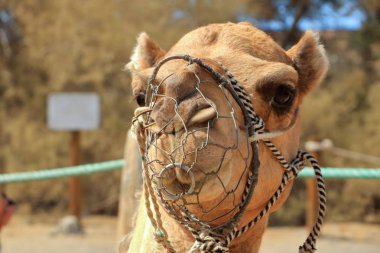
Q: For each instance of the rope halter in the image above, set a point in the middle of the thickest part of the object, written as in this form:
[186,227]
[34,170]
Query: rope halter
[175,146]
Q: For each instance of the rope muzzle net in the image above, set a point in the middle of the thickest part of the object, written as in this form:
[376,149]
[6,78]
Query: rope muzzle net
[200,160]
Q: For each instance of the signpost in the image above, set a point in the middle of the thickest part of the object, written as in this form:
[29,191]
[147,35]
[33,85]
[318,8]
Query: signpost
[74,112]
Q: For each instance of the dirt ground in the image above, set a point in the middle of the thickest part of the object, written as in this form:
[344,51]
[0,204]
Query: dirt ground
[26,234]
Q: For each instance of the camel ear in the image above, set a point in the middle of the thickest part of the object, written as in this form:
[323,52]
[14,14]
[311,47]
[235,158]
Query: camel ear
[310,61]
[145,54]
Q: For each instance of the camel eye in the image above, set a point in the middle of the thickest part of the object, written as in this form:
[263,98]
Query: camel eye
[283,96]
[140,99]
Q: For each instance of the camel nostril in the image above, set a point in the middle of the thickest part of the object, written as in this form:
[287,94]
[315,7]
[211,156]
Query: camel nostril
[205,113]
[203,116]
[185,177]
[170,117]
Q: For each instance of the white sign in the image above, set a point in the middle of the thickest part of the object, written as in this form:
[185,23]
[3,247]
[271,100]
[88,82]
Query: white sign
[73,111]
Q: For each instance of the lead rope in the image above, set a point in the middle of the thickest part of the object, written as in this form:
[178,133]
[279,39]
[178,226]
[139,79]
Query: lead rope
[160,234]
[291,172]
[207,242]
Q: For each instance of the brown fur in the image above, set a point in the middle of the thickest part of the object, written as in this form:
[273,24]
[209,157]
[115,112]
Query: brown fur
[260,65]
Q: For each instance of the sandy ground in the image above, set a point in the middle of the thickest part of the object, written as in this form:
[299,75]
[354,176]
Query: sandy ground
[336,238]
[34,236]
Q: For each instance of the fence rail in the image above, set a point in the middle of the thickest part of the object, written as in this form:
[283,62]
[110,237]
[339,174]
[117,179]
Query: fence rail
[61,172]
[328,172]
[335,172]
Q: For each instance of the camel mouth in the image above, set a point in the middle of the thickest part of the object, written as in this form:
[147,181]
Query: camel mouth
[196,158]
[180,174]
[174,185]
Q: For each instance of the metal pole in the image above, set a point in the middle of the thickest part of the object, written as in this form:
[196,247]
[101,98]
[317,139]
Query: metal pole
[75,189]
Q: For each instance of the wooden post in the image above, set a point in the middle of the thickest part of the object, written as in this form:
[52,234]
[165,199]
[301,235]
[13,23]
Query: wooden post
[75,190]
[312,198]
[2,158]
[131,182]
[312,203]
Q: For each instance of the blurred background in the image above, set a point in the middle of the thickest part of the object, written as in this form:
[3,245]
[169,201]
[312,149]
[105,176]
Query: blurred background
[82,45]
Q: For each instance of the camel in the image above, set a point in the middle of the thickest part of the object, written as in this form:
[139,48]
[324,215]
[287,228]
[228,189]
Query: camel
[276,82]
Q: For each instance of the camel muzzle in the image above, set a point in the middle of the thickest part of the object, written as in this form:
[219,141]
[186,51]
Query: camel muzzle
[180,165]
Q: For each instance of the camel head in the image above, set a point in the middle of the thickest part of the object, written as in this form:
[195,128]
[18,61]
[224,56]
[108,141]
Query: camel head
[197,151]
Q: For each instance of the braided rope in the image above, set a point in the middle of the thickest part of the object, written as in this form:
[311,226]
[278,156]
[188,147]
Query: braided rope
[160,234]
[258,122]
[291,171]
[309,245]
